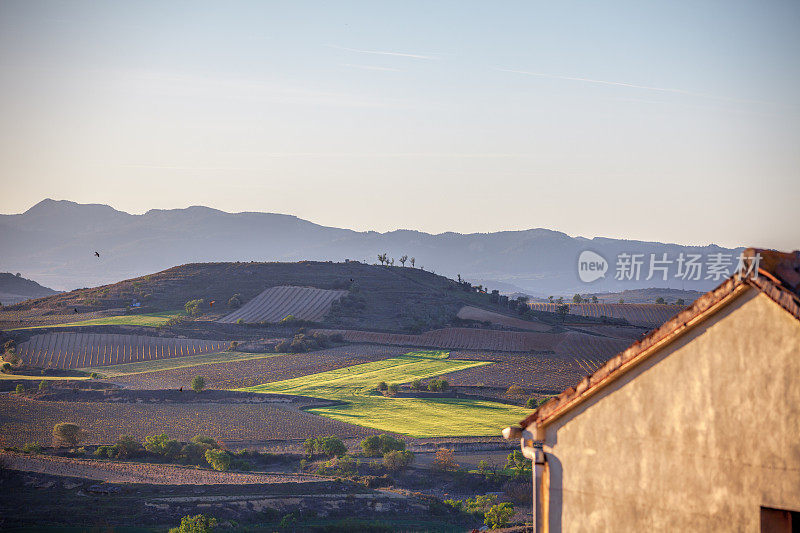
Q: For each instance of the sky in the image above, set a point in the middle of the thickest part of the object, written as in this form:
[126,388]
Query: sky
[674,121]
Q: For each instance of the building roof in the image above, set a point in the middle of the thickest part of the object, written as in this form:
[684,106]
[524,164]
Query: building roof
[778,278]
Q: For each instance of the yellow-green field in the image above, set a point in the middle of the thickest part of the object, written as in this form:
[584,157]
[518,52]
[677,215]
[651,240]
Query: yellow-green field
[418,417]
[171,363]
[145,319]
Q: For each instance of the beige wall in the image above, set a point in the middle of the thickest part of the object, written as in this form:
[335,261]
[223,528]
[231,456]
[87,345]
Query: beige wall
[706,433]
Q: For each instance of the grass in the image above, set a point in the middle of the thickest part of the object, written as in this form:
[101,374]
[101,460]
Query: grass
[417,417]
[145,319]
[126,369]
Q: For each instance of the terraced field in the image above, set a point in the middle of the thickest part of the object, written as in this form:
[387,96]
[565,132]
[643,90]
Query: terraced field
[231,374]
[411,416]
[82,350]
[276,303]
[237,425]
[648,315]
[586,345]
[469,312]
[145,319]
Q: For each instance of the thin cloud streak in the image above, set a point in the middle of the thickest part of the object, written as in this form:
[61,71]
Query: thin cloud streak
[371,67]
[382,53]
[632,86]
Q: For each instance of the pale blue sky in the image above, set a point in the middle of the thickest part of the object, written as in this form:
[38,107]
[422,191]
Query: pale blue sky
[672,121]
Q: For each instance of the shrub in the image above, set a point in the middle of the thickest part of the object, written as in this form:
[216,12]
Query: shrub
[339,466]
[93,375]
[235,301]
[198,383]
[282,347]
[499,515]
[393,389]
[514,392]
[126,447]
[444,460]
[6,368]
[535,403]
[519,464]
[288,319]
[232,346]
[162,445]
[32,447]
[42,385]
[328,445]
[194,451]
[437,385]
[382,385]
[376,445]
[416,384]
[20,389]
[195,524]
[194,307]
[240,320]
[66,433]
[395,461]
[218,459]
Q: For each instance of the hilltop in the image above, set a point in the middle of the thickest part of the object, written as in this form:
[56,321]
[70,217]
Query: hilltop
[15,289]
[54,241]
[379,297]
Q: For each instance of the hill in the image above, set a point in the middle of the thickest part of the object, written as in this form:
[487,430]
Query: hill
[55,241]
[378,297]
[15,289]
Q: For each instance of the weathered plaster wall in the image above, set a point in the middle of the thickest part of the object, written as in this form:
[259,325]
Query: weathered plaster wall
[706,433]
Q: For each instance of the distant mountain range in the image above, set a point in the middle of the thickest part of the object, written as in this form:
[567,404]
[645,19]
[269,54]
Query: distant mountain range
[14,289]
[55,242]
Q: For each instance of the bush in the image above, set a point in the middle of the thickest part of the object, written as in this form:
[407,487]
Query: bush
[395,461]
[232,346]
[499,515]
[377,445]
[20,389]
[163,446]
[393,389]
[416,384]
[438,385]
[194,307]
[218,459]
[535,403]
[198,383]
[339,466]
[515,392]
[93,375]
[66,433]
[195,524]
[125,448]
[194,451]
[382,385]
[6,368]
[235,301]
[240,320]
[444,460]
[32,447]
[329,445]
[288,319]
[42,385]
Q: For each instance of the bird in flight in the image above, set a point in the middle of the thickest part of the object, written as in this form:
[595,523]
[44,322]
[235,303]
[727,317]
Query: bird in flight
[97,254]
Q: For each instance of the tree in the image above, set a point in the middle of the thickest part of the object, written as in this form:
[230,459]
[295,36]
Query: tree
[194,307]
[514,392]
[328,445]
[498,515]
[560,300]
[376,445]
[396,460]
[383,258]
[403,259]
[6,368]
[20,389]
[680,301]
[198,383]
[195,524]
[444,459]
[594,299]
[550,299]
[66,433]
[218,459]
[562,310]
[660,300]
[577,298]
[382,386]
[412,261]
[519,464]
[621,301]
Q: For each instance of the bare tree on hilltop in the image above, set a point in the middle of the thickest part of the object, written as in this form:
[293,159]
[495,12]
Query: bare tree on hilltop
[403,260]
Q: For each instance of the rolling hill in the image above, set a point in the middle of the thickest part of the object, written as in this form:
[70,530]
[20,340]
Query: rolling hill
[15,289]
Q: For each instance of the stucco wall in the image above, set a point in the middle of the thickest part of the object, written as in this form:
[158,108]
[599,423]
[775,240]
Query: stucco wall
[695,439]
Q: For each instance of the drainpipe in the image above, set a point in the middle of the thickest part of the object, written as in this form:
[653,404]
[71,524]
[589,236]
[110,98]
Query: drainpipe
[531,449]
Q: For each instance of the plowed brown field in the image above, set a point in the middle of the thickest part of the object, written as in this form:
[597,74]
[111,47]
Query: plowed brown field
[469,312]
[649,315]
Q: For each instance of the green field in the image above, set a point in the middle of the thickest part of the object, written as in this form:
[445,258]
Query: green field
[354,387]
[171,363]
[145,319]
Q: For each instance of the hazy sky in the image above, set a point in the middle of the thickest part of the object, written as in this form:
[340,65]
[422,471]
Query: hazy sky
[672,121]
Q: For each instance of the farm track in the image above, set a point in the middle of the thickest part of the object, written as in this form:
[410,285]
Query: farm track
[648,315]
[156,474]
[81,350]
[26,420]
[276,303]
[237,374]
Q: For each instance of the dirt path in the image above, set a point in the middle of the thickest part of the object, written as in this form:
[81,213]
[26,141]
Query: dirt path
[117,472]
